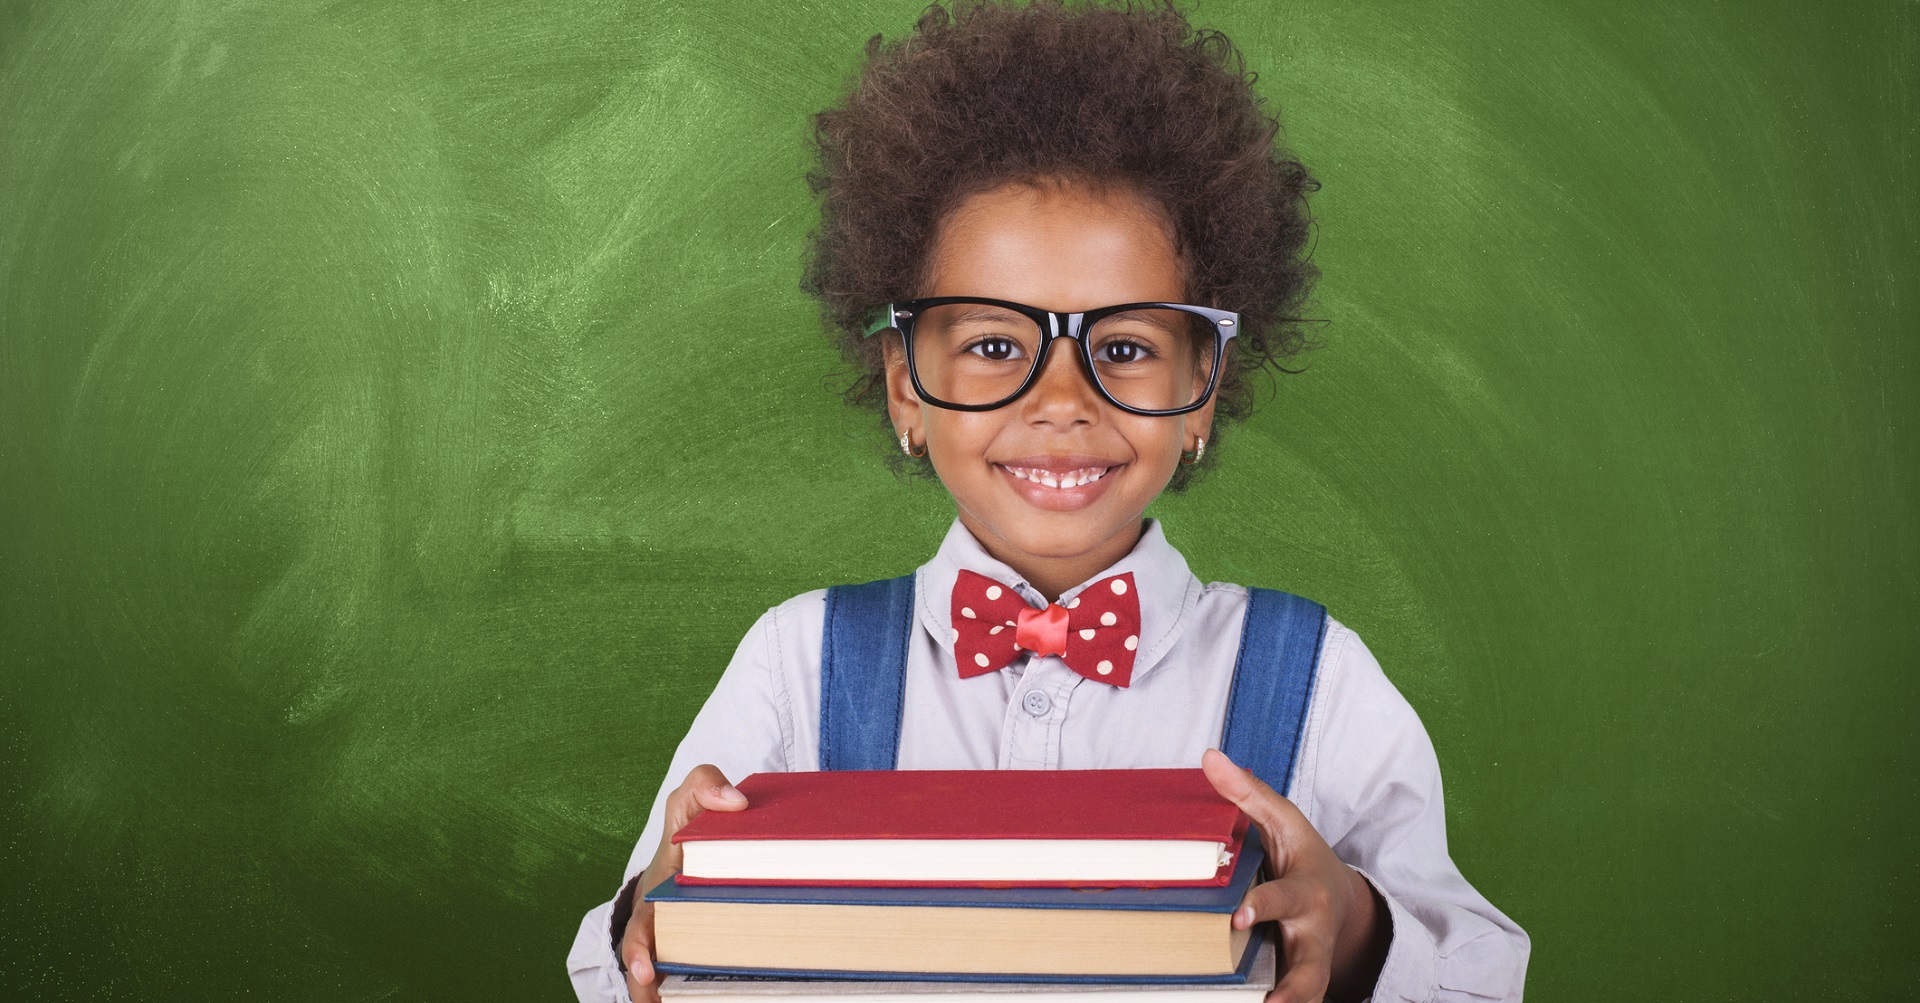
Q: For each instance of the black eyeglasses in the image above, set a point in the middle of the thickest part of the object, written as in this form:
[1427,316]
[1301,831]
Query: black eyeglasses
[970,354]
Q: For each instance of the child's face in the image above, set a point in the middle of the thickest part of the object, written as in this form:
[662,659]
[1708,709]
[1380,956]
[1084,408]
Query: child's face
[1063,248]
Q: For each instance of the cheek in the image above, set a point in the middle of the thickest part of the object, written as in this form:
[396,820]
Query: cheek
[959,438]
[1158,441]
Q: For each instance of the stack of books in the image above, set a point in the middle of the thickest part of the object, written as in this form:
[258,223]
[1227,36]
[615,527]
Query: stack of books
[870,886]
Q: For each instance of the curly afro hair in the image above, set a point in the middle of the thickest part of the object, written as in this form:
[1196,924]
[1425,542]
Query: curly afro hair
[993,94]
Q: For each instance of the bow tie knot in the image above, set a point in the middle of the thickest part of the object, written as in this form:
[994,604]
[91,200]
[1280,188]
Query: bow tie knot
[1042,631]
[1096,633]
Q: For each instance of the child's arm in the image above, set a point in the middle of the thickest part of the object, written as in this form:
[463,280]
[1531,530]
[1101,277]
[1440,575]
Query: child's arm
[1334,932]
[705,789]
[744,727]
[1369,785]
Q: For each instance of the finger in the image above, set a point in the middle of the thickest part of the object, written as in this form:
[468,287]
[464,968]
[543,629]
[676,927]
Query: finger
[642,991]
[1234,783]
[1241,787]
[636,949]
[711,790]
[1286,900]
[704,787]
[1309,970]
[1274,814]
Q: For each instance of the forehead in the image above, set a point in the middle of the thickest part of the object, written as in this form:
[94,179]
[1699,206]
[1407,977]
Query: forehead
[1058,246]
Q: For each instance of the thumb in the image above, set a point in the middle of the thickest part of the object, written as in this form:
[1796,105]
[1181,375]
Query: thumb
[711,791]
[704,789]
[1252,795]
[1233,782]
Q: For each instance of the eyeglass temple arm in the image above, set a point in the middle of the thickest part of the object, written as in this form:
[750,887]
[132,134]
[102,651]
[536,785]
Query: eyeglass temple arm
[880,320]
[1226,322]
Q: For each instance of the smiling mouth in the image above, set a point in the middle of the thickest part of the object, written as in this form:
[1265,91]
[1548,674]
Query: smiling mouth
[1061,480]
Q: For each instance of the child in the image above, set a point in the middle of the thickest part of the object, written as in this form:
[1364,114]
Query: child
[993,184]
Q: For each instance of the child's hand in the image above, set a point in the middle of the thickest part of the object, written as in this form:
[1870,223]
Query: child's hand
[705,789]
[1331,928]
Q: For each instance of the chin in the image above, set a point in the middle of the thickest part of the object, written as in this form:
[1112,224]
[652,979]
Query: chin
[1063,535]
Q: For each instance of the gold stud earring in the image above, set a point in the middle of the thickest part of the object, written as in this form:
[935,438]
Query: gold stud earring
[906,445]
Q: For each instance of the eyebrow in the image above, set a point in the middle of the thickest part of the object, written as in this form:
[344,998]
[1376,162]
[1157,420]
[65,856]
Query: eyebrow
[1149,317]
[982,311]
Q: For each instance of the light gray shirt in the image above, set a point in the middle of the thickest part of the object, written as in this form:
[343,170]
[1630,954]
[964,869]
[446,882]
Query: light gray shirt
[1365,776]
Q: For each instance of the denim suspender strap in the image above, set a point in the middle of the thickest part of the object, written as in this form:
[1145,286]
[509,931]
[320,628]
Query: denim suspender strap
[1272,681]
[863,659]
[863,662]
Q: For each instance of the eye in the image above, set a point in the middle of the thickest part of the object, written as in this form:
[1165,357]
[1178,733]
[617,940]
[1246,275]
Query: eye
[995,348]
[1121,351]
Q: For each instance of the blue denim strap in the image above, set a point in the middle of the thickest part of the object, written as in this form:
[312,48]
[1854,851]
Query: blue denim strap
[863,673]
[863,659]
[1272,681]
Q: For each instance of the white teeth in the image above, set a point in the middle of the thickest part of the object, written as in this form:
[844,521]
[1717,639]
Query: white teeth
[1070,479]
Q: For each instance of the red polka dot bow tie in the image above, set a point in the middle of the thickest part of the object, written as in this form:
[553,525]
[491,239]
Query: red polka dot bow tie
[1095,632]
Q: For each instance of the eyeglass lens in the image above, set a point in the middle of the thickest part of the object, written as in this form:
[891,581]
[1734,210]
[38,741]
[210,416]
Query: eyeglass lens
[977,354]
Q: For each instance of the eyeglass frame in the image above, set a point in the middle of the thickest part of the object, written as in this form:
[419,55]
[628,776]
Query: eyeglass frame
[900,315]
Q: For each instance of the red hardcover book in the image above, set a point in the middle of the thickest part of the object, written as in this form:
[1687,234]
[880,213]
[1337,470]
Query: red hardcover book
[1063,828]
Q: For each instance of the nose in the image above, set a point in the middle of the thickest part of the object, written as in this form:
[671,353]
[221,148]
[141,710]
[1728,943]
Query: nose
[1063,393]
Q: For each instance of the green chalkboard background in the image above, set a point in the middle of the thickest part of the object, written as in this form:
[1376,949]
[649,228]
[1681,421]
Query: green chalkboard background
[404,408]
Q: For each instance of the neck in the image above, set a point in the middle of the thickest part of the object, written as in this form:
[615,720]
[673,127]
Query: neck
[1054,575]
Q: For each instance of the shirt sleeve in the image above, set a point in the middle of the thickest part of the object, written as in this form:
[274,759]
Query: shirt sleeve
[744,727]
[1374,795]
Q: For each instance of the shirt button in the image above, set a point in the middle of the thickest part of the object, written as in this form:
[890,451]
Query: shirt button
[1037,703]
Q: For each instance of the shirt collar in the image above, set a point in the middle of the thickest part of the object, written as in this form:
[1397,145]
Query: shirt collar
[1167,589]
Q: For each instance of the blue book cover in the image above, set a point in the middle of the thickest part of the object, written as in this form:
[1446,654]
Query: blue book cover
[1219,899]
[1235,977]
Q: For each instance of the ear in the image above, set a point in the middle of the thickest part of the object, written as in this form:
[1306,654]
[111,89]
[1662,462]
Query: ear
[903,405]
[1199,422]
